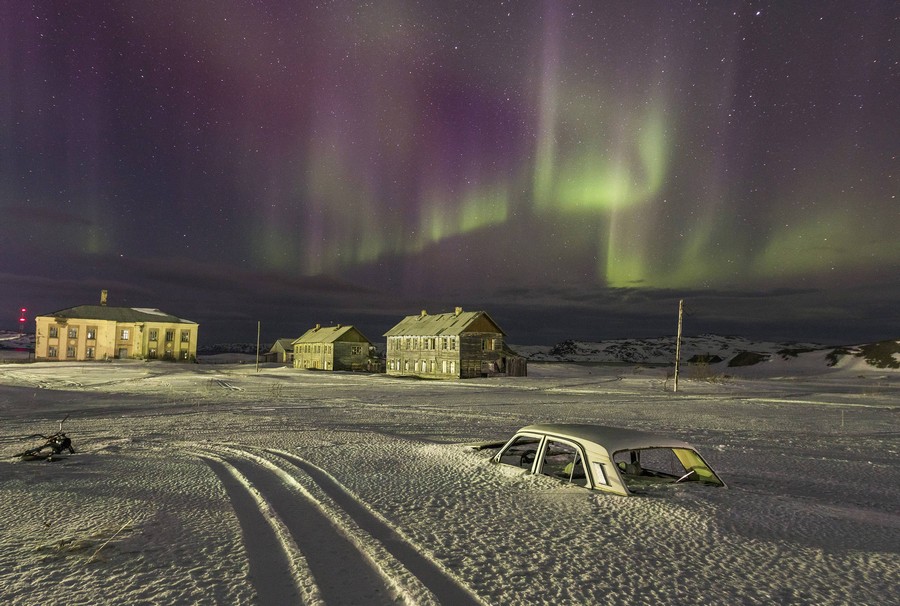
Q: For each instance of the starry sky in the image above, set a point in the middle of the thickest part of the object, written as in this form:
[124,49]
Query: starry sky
[572,167]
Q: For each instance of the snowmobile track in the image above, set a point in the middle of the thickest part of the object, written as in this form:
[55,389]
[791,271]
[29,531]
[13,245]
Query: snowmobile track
[276,566]
[297,555]
[445,588]
[304,546]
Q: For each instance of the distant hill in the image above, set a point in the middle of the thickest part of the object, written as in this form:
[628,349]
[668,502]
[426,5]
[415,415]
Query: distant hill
[729,352]
[242,348]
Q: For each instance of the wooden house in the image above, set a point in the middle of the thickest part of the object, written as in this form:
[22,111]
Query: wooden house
[456,345]
[281,351]
[334,348]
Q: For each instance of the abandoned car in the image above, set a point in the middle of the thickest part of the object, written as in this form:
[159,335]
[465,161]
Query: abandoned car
[611,459]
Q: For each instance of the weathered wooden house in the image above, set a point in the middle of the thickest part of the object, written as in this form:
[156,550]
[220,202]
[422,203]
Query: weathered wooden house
[334,348]
[281,351]
[456,345]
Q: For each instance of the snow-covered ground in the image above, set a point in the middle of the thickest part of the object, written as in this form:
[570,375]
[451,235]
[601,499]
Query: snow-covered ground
[218,484]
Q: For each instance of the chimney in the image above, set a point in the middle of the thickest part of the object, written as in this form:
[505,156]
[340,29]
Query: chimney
[457,311]
[103,294]
[423,314]
[318,326]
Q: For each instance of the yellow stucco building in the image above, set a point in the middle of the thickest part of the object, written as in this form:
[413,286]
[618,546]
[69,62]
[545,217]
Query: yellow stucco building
[100,332]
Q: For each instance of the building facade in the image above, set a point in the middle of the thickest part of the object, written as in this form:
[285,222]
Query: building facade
[456,345]
[334,348]
[100,332]
[281,351]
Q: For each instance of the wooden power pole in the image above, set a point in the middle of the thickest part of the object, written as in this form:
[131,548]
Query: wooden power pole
[678,342]
[258,325]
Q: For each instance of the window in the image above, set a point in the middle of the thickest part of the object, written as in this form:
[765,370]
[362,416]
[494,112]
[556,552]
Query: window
[52,352]
[151,353]
[125,334]
[488,344]
[452,343]
[356,350]
[170,335]
[70,352]
[92,333]
[54,332]
[562,461]
[154,334]
[185,336]
[521,452]
[661,465]
[89,353]
[184,354]
[73,332]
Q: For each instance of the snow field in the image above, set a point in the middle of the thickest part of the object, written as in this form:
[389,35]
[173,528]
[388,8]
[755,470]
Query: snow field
[216,484]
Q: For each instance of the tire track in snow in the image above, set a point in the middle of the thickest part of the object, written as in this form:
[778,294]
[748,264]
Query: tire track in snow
[277,568]
[444,586]
[342,573]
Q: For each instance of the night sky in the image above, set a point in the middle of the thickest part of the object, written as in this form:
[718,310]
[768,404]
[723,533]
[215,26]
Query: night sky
[573,168]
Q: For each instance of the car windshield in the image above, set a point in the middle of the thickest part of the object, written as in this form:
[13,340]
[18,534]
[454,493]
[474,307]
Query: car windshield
[647,466]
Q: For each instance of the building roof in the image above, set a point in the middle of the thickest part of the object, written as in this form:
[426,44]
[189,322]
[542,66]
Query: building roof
[449,324]
[328,334]
[117,314]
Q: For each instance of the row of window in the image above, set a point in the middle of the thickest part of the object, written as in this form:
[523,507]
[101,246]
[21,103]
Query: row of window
[72,332]
[429,366]
[53,352]
[422,343]
[153,335]
[355,350]
[315,348]
[90,353]
[124,334]
[437,343]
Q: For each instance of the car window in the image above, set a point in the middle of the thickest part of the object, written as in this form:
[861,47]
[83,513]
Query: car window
[520,452]
[661,465]
[563,461]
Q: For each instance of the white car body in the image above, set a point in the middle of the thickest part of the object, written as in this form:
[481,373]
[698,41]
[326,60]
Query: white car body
[610,459]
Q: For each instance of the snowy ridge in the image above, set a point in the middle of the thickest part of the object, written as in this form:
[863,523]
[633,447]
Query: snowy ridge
[724,351]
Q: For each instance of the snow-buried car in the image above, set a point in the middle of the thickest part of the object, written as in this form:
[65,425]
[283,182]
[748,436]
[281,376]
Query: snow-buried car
[611,459]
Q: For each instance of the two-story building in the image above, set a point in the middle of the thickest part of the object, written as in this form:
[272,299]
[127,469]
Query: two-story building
[334,348]
[102,332]
[456,345]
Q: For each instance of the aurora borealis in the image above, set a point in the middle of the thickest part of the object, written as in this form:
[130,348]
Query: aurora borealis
[574,168]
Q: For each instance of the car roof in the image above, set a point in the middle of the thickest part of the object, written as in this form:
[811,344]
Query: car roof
[613,439]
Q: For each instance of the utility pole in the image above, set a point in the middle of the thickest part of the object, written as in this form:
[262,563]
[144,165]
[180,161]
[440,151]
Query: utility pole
[258,325]
[678,342]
